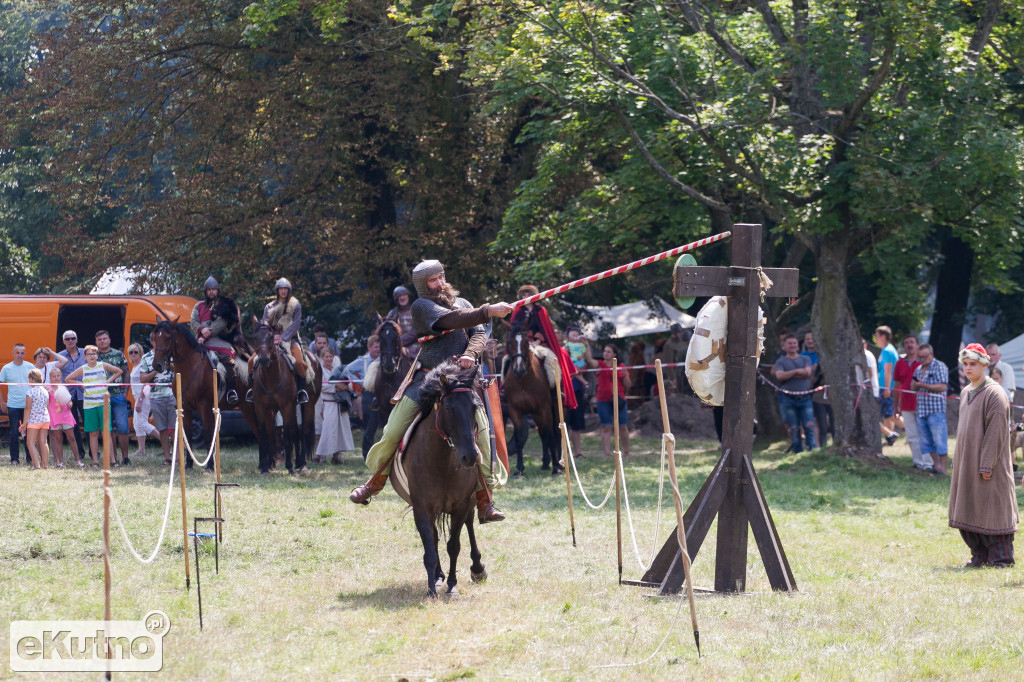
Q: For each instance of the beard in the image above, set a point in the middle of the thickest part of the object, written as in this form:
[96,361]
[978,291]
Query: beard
[446,295]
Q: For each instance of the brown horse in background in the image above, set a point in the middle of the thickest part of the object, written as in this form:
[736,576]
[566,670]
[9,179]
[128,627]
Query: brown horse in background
[441,470]
[527,392]
[394,365]
[274,389]
[174,343]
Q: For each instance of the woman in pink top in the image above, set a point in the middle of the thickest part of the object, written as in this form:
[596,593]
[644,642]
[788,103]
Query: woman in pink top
[61,422]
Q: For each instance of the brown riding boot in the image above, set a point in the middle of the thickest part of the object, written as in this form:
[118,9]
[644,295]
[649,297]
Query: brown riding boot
[486,511]
[363,493]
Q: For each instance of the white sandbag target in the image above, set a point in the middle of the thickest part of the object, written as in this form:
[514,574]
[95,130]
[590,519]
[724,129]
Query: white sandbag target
[706,354]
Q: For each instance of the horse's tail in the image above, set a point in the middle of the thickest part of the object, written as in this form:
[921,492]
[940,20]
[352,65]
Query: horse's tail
[444,526]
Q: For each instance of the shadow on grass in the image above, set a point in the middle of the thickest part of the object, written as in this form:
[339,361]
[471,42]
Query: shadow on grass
[394,597]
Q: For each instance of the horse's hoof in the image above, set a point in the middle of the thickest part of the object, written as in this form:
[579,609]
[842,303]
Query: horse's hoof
[264,474]
[440,583]
[452,593]
[303,470]
[291,472]
[478,577]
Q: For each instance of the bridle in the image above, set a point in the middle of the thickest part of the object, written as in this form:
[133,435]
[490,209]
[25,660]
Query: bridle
[171,352]
[270,350]
[390,354]
[437,414]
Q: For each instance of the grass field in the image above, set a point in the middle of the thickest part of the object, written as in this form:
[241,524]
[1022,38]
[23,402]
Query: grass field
[313,587]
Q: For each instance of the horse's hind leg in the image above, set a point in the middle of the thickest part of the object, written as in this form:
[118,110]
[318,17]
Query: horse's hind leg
[519,434]
[439,574]
[428,536]
[477,571]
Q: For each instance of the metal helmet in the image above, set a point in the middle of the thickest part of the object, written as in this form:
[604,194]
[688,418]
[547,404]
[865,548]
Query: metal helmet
[399,290]
[211,283]
[424,271]
[283,284]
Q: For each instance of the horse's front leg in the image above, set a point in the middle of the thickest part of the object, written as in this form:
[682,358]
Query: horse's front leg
[454,546]
[307,435]
[518,437]
[477,571]
[266,449]
[428,536]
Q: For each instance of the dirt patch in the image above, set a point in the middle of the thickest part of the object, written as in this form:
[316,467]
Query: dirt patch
[690,420]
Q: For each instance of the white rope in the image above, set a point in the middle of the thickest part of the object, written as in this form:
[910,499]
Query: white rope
[213,437]
[167,508]
[665,437]
[576,473]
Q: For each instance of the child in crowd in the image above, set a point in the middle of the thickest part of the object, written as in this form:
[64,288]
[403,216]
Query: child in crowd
[62,422]
[577,348]
[36,425]
[997,376]
[94,377]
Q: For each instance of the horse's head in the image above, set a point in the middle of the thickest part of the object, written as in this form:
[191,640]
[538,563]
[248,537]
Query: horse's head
[517,348]
[450,390]
[266,349]
[389,335]
[164,346]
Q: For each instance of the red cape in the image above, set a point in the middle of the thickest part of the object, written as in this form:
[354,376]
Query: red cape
[551,341]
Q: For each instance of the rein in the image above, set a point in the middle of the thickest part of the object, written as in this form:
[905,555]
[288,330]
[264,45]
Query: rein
[258,375]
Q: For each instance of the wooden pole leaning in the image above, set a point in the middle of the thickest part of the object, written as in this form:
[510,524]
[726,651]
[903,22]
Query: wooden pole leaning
[566,464]
[107,578]
[181,470]
[618,462]
[670,448]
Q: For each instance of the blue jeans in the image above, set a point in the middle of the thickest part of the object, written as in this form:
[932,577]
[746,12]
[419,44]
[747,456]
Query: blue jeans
[931,429]
[798,411]
[119,414]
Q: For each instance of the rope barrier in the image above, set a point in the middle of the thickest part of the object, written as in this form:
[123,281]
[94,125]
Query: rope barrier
[213,437]
[108,491]
[629,513]
[576,473]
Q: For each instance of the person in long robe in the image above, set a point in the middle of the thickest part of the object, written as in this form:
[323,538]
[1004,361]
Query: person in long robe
[982,499]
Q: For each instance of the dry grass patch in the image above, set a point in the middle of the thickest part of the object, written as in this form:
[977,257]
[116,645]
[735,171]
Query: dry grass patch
[313,587]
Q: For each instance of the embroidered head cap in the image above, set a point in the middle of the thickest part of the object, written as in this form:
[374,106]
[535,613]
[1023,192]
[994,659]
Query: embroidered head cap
[975,351]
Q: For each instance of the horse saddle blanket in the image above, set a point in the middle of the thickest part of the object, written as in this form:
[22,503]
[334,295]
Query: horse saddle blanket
[547,357]
[399,476]
[286,352]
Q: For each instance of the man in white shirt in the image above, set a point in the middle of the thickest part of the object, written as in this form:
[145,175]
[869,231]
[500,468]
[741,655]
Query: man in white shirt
[1009,382]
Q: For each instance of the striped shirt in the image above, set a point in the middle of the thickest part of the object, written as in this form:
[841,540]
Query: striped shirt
[928,402]
[91,376]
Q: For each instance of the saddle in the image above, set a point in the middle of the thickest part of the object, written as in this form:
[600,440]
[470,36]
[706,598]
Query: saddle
[399,477]
[547,357]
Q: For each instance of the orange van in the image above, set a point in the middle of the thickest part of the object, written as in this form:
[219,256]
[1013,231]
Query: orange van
[42,320]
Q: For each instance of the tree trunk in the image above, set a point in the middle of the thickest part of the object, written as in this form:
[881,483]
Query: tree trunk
[840,348]
[952,291]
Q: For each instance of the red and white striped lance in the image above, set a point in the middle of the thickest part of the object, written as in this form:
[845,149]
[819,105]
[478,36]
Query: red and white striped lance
[607,273]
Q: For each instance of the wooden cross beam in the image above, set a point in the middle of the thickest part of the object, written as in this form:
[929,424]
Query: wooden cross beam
[732,491]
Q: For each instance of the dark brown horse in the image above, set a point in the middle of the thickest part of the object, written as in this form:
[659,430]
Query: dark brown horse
[527,392]
[394,365]
[438,472]
[174,343]
[274,389]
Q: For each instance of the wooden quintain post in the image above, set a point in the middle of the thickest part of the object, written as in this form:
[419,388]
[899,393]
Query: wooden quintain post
[732,490]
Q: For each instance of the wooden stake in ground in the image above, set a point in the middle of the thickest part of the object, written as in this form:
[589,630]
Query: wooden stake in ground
[618,461]
[670,448]
[107,578]
[566,464]
[216,465]
[180,452]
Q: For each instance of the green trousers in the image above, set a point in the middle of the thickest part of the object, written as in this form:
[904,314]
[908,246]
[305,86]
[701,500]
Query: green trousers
[383,451]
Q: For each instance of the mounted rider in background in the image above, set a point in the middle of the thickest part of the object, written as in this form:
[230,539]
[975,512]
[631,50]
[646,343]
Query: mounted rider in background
[215,322]
[283,315]
[402,314]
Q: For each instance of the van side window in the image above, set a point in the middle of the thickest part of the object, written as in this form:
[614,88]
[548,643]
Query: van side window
[139,333]
[86,320]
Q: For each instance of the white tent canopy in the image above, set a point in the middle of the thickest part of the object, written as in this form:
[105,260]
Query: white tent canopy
[634,319]
[121,281]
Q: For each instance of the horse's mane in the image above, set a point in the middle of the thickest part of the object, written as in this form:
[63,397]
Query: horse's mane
[181,328]
[432,388]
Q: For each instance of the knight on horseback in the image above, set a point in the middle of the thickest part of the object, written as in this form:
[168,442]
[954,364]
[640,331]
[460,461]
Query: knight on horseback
[438,309]
[283,315]
[402,314]
[215,322]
